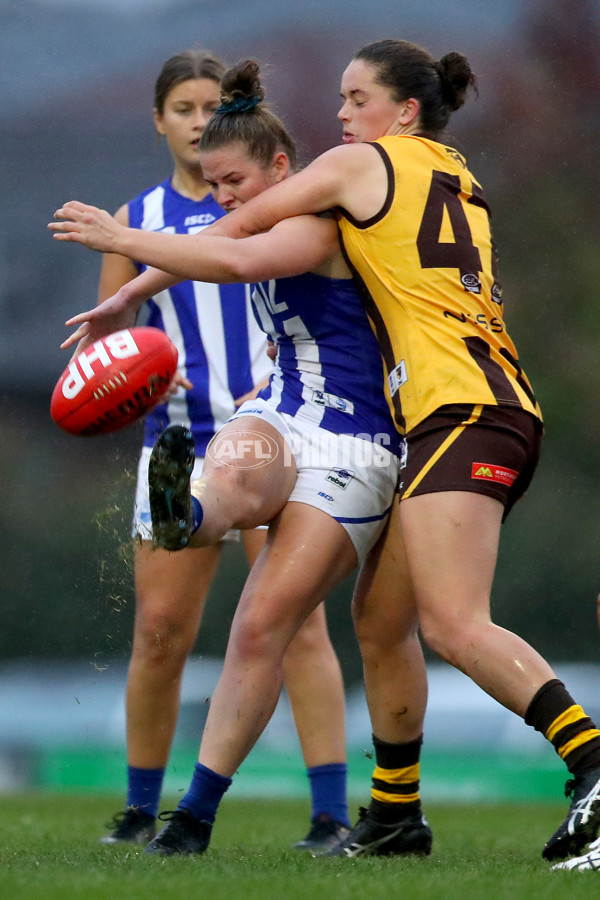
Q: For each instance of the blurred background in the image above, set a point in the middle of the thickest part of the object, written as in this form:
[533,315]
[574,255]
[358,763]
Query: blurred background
[77,83]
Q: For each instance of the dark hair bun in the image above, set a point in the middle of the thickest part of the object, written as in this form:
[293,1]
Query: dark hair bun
[242,81]
[456,78]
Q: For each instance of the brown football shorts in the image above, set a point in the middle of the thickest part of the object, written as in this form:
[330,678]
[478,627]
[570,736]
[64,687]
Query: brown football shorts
[492,450]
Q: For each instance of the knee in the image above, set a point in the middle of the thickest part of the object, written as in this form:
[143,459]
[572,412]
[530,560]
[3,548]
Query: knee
[241,491]
[446,636]
[161,638]
[383,634]
[254,639]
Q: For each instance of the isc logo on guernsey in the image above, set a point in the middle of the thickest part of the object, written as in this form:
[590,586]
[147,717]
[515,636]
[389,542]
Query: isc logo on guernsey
[120,345]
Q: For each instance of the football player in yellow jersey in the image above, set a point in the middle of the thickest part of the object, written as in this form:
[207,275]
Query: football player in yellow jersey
[415,229]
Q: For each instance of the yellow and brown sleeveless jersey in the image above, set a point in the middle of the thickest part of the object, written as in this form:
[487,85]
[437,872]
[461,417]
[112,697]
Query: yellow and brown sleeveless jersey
[427,268]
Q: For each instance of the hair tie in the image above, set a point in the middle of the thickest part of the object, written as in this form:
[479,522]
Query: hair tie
[238,105]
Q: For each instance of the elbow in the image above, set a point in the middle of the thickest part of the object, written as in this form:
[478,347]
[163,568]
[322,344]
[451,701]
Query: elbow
[237,273]
[240,269]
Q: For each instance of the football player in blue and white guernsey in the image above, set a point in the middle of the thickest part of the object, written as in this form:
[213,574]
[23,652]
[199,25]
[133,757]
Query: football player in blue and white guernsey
[222,360]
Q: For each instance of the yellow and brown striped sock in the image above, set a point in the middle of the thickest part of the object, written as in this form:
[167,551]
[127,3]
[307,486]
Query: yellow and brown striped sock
[554,713]
[395,786]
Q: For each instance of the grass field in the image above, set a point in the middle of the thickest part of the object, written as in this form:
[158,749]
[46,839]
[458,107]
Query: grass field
[50,849]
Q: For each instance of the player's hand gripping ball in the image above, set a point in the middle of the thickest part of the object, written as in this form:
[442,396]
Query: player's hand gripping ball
[114,382]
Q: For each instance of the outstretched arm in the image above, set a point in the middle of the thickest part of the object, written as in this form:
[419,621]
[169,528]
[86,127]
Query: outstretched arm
[295,246]
[121,292]
[288,250]
[119,311]
[114,314]
[118,270]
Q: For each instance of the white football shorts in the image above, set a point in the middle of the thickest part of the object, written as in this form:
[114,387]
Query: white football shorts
[351,479]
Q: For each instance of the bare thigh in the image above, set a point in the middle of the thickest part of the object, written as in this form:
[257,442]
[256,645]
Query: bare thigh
[307,553]
[451,539]
[248,474]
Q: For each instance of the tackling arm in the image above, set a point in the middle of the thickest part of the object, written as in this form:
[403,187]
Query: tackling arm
[337,178]
[290,250]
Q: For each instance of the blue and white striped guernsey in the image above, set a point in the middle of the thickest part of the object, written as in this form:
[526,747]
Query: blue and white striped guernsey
[329,367]
[221,350]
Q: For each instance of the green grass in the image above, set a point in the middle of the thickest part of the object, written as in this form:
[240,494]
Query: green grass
[50,849]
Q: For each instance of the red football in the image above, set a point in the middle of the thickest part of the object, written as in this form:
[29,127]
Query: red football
[114,382]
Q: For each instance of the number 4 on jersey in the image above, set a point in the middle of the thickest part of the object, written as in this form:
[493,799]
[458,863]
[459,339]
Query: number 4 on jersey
[461,254]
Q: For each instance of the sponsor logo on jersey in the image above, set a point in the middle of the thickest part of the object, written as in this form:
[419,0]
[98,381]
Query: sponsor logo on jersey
[332,401]
[340,477]
[397,377]
[496,293]
[200,219]
[494,324]
[471,283]
[456,156]
[490,472]
[325,496]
